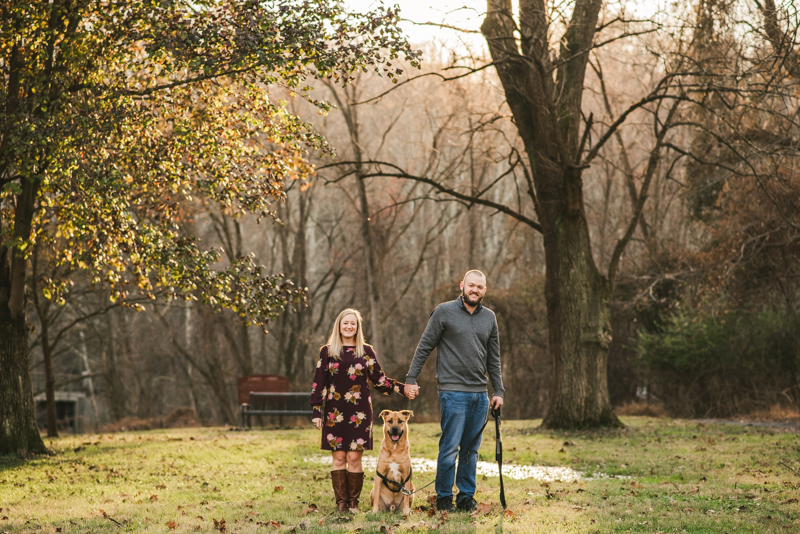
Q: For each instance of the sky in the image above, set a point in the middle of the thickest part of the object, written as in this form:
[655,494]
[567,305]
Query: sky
[467,14]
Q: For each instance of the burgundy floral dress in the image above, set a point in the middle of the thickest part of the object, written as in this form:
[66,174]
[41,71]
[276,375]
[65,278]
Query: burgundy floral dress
[343,386]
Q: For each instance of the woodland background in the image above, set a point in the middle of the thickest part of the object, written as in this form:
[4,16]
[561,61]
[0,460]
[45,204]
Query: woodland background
[705,310]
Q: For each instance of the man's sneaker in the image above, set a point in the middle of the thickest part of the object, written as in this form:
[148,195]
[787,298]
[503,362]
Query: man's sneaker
[444,504]
[466,504]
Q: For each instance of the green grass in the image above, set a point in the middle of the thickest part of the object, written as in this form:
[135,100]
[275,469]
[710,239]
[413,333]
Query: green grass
[679,476]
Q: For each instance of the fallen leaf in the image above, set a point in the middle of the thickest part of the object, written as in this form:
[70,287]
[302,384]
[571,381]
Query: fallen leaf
[220,525]
[431,512]
[311,508]
[58,529]
[171,525]
[689,510]
[278,488]
[508,514]
[321,522]
[153,497]
[482,509]
[161,486]
[789,501]
[443,517]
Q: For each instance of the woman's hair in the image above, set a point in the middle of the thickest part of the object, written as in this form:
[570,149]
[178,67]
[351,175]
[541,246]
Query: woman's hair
[335,343]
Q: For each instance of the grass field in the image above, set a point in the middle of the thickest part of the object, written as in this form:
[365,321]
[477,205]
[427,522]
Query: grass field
[658,475]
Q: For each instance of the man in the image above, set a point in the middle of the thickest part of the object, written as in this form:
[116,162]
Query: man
[465,334]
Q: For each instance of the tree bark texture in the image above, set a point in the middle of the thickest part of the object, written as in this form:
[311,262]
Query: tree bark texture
[18,430]
[547,113]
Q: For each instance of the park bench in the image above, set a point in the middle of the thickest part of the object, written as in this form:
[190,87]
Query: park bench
[269,395]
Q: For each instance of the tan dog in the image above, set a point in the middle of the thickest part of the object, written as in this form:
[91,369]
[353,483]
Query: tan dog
[394,464]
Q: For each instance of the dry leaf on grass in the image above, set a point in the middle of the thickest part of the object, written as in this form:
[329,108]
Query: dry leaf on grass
[278,488]
[509,515]
[161,486]
[311,508]
[482,509]
[220,525]
[386,530]
[171,525]
[153,498]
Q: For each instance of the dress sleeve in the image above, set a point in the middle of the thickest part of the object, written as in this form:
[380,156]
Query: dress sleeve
[380,381]
[320,386]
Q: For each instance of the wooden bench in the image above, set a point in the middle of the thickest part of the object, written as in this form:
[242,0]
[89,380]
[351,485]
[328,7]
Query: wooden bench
[269,395]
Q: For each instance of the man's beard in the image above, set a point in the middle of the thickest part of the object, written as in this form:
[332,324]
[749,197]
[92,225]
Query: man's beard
[467,300]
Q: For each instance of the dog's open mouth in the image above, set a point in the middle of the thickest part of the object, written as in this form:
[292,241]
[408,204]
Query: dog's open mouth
[396,437]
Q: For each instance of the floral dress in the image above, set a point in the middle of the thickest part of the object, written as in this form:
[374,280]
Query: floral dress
[343,386]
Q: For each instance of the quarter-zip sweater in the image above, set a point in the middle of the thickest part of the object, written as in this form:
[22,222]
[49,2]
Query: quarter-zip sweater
[468,347]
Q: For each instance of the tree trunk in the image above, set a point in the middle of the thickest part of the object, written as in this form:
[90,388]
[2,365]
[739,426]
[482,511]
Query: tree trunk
[47,351]
[547,114]
[578,317]
[18,430]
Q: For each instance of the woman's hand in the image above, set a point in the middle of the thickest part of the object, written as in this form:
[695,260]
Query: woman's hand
[317,423]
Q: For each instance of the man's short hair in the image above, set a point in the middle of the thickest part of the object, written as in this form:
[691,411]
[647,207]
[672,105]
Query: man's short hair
[471,271]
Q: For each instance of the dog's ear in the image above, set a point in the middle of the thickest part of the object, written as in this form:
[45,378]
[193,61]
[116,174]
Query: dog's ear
[408,413]
[384,413]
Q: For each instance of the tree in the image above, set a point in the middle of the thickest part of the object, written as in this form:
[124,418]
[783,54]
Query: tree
[114,114]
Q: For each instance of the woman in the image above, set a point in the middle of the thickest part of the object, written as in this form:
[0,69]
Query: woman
[345,369]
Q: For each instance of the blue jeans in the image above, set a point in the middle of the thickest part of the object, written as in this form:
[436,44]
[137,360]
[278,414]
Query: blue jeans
[463,415]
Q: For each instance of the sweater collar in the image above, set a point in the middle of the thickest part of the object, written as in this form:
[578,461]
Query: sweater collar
[460,301]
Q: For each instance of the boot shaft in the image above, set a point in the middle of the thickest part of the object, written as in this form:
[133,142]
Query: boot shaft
[340,489]
[355,481]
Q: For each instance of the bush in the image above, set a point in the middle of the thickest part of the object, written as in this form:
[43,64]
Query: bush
[716,363]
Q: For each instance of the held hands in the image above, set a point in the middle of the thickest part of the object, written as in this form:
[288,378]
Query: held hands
[411,390]
[496,402]
[317,423]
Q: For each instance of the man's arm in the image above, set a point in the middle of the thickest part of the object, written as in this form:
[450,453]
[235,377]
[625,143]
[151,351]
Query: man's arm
[493,363]
[430,338]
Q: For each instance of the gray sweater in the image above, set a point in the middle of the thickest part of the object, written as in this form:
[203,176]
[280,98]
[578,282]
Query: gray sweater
[468,348]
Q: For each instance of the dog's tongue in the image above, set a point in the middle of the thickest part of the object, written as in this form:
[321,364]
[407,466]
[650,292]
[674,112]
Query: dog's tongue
[395,438]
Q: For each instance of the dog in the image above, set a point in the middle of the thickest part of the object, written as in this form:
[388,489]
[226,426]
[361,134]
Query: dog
[394,465]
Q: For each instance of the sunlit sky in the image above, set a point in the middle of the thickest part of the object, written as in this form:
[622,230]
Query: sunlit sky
[466,14]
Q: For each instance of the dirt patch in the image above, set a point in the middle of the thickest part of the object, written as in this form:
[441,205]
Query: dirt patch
[180,418]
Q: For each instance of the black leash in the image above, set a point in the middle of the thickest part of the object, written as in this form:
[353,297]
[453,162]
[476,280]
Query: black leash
[498,454]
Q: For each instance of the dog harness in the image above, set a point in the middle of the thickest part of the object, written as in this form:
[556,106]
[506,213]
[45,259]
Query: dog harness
[401,487]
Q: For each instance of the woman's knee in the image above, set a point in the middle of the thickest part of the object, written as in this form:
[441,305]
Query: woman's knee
[354,457]
[339,460]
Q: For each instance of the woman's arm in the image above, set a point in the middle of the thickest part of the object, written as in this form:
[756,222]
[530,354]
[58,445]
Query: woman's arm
[379,380]
[320,386]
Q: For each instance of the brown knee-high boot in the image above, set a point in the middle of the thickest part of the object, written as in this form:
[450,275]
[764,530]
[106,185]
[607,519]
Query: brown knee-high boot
[340,493]
[355,481]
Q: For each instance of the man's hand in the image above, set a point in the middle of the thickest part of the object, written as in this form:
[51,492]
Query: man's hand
[412,390]
[317,423]
[496,402]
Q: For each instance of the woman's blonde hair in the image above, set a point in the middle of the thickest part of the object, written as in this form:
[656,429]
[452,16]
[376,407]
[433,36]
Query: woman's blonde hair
[335,343]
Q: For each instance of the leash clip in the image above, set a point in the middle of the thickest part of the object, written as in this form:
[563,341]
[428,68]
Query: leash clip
[405,491]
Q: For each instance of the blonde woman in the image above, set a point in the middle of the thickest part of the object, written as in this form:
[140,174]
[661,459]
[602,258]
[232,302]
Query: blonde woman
[346,368]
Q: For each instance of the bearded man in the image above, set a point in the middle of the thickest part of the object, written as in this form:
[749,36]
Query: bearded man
[465,334]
